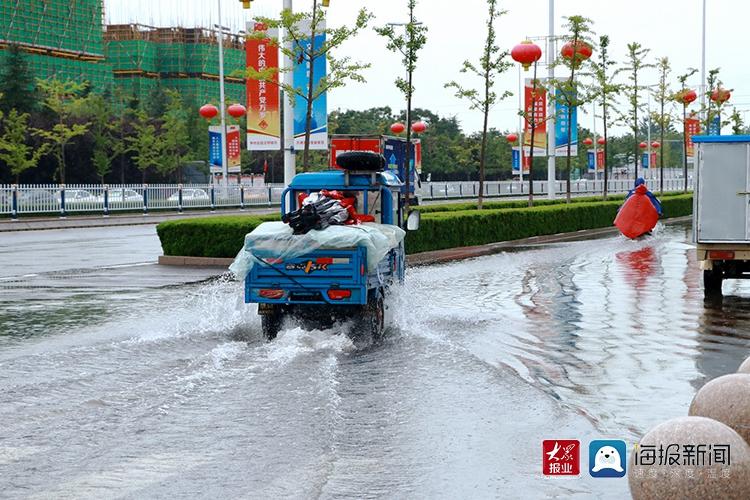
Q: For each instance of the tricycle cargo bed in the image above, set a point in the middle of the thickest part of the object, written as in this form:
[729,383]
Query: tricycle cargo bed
[310,278]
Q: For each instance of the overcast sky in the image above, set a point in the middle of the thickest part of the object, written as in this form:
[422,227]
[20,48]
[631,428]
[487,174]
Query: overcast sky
[670,28]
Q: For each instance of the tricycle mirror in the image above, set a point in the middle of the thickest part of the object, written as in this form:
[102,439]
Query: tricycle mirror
[412,220]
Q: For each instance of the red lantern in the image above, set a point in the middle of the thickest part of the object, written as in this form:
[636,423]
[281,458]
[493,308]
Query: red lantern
[398,128]
[588,141]
[526,53]
[643,145]
[418,127]
[236,110]
[208,111]
[656,145]
[578,52]
[686,96]
[601,141]
[720,95]
[511,138]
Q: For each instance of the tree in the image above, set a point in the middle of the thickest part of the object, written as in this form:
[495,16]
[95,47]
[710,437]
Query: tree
[738,124]
[15,151]
[174,147]
[106,127]
[679,97]
[408,45]
[63,99]
[714,85]
[491,65]
[144,144]
[17,82]
[663,96]
[635,64]
[301,29]
[566,91]
[605,91]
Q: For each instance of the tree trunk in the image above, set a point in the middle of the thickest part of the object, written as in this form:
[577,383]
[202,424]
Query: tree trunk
[569,101]
[62,164]
[661,154]
[310,87]
[604,120]
[684,145]
[482,155]
[635,121]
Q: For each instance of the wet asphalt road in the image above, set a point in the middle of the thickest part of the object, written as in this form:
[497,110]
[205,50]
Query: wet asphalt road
[123,379]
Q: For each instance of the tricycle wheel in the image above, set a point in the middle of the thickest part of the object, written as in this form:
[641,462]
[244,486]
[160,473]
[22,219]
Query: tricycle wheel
[712,280]
[371,322]
[271,324]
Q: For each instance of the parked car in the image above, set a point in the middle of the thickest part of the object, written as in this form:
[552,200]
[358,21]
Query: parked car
[190,194]
[123,196]
[76,197]
[38,199]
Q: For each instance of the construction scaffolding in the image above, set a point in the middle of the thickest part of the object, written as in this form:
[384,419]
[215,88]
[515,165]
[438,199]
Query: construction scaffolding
[183,59]
[63,38]
[68,39]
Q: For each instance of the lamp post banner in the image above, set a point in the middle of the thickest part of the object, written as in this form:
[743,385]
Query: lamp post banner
[715,126]
[319,122]
[517,156]
[263,115]
[600,160]
[538,113]
[234,146]
[692,127]
[561,129]
[591,157]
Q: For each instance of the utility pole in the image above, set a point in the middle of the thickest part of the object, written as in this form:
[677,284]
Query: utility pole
[222,104]
[551,181]
[703,69]
[290,167]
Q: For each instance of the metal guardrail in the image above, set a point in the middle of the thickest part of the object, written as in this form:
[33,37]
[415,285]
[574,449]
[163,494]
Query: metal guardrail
[28,199]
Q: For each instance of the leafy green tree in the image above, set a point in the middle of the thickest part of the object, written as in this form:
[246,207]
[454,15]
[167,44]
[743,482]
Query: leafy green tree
[63,99]
[144,144]
[174,147]
[567,91]
[738,124]
[490,66]
[634,67]
[106,132]
[679,97]
[340,70]
[408,45]
[663,95]
[605,91]
[17,82]
[15,151]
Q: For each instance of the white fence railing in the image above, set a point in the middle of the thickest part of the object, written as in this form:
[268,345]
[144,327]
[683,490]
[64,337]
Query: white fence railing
[26,199]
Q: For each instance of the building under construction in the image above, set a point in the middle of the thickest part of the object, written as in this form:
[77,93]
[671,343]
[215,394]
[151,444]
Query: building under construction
[184,59]
[68,39]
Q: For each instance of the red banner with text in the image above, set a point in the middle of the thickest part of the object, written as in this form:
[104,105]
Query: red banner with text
[692,127]
[263,114]
[535,111]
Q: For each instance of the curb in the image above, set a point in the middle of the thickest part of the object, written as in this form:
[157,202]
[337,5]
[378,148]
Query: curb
[438,256]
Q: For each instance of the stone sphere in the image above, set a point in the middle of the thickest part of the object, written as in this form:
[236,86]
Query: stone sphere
[726,399]
[695,475]
[744,367]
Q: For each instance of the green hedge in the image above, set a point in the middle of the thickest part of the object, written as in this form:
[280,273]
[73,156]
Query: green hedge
[224,236]
[492,205]
[221,236]
[441,230]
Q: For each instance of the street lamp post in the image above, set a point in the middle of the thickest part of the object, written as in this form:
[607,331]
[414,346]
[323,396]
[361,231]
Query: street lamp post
[224,172]
[290,167]
[551,177]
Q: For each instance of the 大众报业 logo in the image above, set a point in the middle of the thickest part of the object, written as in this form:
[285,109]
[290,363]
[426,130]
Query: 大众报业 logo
[561,457]
[607,458]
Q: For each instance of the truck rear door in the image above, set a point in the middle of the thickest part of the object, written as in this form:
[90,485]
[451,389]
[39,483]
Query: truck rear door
[723,192]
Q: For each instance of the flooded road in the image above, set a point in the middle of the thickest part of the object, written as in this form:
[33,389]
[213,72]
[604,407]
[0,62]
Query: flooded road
[120,378]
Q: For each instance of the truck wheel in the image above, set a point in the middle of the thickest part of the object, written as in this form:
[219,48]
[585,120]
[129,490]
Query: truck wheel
[712,279]
[271,324]
[372,320]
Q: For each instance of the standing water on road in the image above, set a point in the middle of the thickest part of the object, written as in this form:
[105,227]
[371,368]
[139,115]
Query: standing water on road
[126,379]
